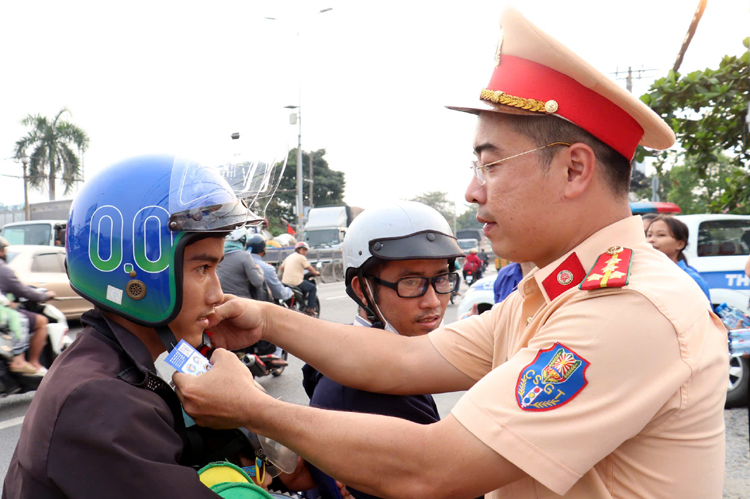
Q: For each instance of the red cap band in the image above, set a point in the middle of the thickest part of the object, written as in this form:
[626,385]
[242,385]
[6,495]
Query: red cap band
[600,117]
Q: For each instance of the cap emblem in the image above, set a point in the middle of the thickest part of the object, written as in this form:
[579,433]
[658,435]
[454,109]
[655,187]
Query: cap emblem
[499,49]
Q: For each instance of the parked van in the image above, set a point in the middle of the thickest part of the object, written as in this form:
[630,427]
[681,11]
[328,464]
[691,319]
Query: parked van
[36,232]
[718,248]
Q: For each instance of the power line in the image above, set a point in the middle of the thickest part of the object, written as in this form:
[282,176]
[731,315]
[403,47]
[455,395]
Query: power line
[629,76]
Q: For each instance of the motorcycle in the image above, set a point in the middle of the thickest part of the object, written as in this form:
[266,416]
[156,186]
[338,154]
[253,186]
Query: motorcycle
[57,341]
[262,359]
[471,276]
[298,301]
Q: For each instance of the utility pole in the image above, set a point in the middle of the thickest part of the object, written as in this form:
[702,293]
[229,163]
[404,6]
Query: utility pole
[26,210]
[296,117]
[640,74]
[311,179]
[690,33]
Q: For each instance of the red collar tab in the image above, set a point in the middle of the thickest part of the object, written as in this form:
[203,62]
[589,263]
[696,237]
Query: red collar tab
[526,83]
[611,270]
[566,276]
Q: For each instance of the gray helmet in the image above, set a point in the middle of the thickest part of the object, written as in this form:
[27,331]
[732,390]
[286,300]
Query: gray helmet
[3,242]
[404,230]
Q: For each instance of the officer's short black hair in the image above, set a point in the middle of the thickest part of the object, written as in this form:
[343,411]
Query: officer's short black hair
[543,130]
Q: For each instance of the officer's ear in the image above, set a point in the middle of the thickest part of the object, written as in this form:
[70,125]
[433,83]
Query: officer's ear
[579,162]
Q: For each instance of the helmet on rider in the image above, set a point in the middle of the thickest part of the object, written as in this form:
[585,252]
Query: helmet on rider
[256,243]
[238,235]
[404,230]
[129,227]
[301,245]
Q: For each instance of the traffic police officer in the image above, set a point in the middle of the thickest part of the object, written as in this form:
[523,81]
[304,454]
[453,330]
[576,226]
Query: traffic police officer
[602,376]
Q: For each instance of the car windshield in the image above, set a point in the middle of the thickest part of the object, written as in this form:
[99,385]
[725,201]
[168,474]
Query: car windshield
[467,244]
[322,237]
[10,255]
[28,234]
[468,234]
[724,238]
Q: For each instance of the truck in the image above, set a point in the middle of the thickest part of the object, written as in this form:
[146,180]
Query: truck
[46,226]
[326,225]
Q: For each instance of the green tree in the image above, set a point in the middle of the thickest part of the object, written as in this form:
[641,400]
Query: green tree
[328,189]
[691,192]
[708,112]
[51,142]
[439,201]
[468,219]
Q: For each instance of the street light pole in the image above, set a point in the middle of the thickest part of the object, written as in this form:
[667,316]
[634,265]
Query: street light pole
[300,180]
[300,204]
[27,212]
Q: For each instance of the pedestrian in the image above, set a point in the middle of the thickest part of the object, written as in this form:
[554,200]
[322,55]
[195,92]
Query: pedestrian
[603,376]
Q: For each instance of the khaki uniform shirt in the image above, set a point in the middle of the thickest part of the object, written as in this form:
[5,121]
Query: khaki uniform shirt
[629,381]
[294,269]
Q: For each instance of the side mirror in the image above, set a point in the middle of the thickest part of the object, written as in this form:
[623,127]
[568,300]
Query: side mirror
[319,265]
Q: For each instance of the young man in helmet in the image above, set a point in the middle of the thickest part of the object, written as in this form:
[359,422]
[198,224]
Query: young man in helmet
[103,424]
[403,289]
[604,375]
[294,267]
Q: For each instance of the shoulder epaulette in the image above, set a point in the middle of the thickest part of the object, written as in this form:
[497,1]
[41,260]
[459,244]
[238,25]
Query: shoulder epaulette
[611,270]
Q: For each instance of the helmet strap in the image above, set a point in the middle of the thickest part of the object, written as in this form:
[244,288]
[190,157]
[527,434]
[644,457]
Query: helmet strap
[167,337]
[371,306]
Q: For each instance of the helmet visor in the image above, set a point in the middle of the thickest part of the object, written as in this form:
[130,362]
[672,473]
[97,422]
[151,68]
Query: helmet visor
[231,194]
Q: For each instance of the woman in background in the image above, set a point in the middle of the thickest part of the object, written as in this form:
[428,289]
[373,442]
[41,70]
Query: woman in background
[670,236]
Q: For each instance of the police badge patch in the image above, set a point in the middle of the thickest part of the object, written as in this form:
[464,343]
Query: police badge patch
[553,378]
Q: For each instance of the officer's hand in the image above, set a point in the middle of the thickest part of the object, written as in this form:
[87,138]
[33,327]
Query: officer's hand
[51,295]
[224,397]
[237,323]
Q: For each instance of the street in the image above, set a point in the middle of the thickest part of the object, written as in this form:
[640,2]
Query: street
[336,306]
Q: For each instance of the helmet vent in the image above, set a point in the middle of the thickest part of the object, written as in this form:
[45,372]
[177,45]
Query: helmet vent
[136,289]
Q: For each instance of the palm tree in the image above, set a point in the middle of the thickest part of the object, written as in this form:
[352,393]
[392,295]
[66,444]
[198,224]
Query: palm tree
[52,151]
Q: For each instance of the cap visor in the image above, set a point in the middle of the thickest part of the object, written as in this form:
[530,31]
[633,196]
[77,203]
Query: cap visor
[479,106]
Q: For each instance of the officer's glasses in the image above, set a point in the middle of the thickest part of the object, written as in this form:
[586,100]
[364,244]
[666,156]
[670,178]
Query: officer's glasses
[481,171]
[414,287]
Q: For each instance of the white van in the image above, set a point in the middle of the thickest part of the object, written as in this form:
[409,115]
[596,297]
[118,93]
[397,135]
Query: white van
[718,248]
[36,232]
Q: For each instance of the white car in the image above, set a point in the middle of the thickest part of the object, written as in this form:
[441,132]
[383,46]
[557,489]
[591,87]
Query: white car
[481,292]
[718,248]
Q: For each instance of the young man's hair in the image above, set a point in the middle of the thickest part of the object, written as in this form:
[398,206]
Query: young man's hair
[543,130]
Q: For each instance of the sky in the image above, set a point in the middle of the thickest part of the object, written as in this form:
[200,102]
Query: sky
[372,78]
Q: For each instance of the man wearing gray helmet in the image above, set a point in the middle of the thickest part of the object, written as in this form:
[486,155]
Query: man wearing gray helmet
[398,261]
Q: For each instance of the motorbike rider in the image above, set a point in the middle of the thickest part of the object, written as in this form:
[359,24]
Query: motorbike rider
[9,283]
[403,289]
[238,274]
[473,264]
[14,329]
[294,267]
[256,245]
[103,424]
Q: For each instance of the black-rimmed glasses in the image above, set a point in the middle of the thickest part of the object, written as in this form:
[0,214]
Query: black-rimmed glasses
[414,287]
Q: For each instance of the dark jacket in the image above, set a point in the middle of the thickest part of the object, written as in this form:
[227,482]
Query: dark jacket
[99,426]
[327,394]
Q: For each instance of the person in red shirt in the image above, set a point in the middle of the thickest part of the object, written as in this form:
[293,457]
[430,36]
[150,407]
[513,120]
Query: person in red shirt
[473,264]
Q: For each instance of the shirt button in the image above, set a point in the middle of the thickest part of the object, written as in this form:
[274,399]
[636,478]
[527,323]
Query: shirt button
[528,320]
